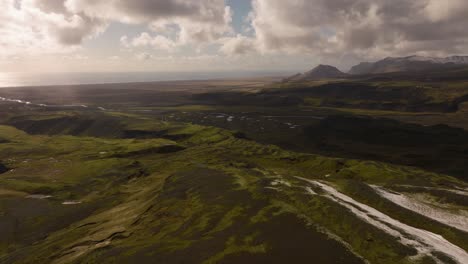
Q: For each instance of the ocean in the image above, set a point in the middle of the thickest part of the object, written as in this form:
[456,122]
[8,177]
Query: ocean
[17,79]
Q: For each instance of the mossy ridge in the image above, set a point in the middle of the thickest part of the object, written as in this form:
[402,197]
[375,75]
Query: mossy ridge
[224,223]
[365,194]
[207,245]
[243,167]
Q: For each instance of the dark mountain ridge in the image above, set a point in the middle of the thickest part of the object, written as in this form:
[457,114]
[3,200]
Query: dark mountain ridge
[408,64]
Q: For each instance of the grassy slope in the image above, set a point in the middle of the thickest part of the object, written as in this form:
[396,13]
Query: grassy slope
[154,191]
[204,200]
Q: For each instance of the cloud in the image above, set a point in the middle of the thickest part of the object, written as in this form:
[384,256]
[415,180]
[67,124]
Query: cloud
[320,29]
[144,11]
[146,40]
[196,21]
[144,56]
[57,26]
[41,27]
[77,29]
[238,45]
[363,28]
[77,57]
[55,6]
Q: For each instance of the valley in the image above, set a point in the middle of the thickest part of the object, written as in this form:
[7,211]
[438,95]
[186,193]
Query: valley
[353,171]
[233,132]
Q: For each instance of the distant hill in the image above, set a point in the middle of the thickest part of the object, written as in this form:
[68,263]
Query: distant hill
[408,64]
[318,73]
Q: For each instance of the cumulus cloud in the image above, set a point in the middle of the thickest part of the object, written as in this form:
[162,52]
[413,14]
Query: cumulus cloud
[196,21]
[42,26]
[365,28]
[238,45]
[146,40]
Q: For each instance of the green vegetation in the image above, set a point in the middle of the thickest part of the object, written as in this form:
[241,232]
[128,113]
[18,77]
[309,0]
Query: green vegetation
[215,177]
[189,192]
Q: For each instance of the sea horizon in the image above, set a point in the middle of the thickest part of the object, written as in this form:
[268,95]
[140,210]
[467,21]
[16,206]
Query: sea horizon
[28,79]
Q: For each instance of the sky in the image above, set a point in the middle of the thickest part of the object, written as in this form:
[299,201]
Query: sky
[223,35]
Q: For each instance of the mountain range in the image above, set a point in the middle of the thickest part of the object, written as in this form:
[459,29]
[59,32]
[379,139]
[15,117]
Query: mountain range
[387,65]
[411,63]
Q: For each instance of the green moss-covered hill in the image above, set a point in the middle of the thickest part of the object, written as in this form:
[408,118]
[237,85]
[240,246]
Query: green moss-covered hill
[158,192]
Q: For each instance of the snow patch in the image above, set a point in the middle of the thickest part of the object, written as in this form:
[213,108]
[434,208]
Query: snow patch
[280,182]
[310,191]
[457,190]
[423,241]
[38,196]
[71,202]
[459,221]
